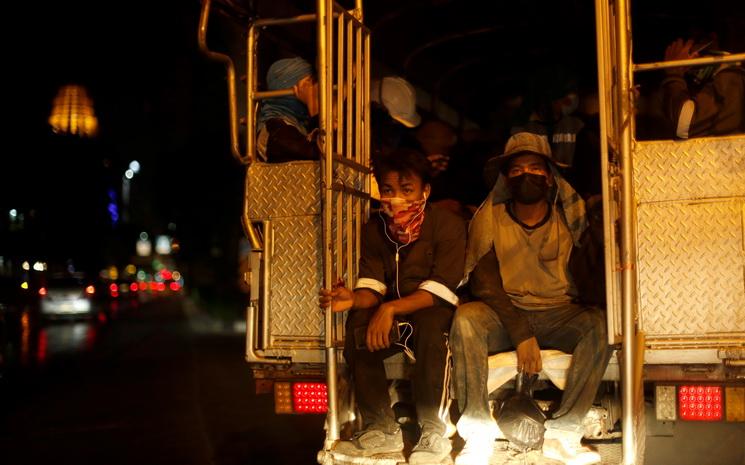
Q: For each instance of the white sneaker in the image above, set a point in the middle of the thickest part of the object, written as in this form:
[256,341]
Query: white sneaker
[477,451]
[567,448]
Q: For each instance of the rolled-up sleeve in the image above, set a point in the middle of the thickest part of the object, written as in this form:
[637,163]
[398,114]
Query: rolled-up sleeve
[372,271]
[449,260]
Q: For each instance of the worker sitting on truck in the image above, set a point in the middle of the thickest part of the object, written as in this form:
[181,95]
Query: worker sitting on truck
[534,262]
[411,262]
[287,126]
[703,101]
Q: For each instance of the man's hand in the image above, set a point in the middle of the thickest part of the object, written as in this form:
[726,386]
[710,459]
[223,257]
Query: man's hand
[679,50]
[379,328]
[339,298]
[529,356]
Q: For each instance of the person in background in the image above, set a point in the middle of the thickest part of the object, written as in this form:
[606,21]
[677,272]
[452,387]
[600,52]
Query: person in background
[707,100]
[393,114]
[456,184]
[286,129]
[411,263]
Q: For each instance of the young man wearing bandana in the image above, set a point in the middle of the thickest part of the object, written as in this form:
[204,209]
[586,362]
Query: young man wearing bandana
[534,262]
[412,261]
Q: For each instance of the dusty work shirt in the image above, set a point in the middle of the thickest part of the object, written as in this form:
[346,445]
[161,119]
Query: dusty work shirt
[534,261]
[433,263]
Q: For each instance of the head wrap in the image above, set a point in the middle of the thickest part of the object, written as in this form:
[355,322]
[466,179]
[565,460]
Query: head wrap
[283,74]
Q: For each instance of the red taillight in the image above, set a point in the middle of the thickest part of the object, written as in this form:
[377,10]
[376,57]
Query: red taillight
[700,403]
[133,287]
[142,286]
[153,286]
[42,291]
[113,287]
[90,290]
[161,286]
[309,397]
[174,286]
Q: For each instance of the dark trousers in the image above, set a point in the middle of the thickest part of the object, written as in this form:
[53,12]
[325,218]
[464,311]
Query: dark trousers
[429,343]
[477,333]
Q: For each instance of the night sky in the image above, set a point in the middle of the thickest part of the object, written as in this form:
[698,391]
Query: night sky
[157,100]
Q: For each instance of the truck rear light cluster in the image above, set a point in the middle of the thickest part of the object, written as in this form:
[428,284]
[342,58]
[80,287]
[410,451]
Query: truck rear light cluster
[700,403]
[300,397]
[310,397]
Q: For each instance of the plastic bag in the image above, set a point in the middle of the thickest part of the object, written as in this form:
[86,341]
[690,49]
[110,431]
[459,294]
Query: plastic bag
[520,418]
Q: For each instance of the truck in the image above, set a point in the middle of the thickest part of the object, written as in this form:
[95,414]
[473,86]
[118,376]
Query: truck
[673,211]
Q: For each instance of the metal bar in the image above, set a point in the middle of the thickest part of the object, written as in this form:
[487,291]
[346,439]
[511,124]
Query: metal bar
[624,80]
[265,94]
[707,60]
[601,39]
[325,42]
[338,109]
[339,187]
[352,164]
[358,94]
[230,69]
[365,160]
[349,131]
[285,21]
[252,356]
[265,307]
[339,217]
[251,84]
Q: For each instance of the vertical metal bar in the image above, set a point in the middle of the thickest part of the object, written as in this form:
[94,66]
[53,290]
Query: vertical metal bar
[365,160]
[340,89]
[230,69]
[349,89]
[251,83]
[325,22]
[266,306]
[358,92]
[603,89]
[624,78]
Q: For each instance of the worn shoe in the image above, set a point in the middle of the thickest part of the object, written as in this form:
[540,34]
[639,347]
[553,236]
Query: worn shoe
[432,448]
[567,448]
[371,442]
[477,451]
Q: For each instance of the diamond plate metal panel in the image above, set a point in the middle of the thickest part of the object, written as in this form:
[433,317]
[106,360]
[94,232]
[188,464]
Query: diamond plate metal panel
[276,190]
[691,259]
[693,169]
[296,276]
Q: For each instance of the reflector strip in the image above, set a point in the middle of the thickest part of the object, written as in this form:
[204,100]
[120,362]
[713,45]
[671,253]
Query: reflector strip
[665,403]
[310,397]
[700,403]
[282,398]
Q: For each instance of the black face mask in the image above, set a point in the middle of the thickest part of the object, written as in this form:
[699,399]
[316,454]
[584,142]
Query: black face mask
[528,188]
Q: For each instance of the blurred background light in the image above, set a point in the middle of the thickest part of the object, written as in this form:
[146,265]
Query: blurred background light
[72,112]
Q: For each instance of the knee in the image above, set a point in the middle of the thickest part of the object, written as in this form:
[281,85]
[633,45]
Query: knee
[468,321]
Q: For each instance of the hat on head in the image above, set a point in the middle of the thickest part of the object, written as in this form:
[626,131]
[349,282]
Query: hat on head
[285,73]
[399,98]
[524,143]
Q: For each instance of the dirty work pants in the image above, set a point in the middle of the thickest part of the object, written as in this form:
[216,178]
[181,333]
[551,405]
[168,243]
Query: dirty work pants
[429,343]
[477,333]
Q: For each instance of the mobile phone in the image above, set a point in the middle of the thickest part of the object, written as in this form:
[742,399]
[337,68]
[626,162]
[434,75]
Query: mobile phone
[360,335]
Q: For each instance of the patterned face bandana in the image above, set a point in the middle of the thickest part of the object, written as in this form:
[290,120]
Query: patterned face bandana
[404,218]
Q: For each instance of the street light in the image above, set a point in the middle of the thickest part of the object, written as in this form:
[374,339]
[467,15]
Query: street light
[129,173]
